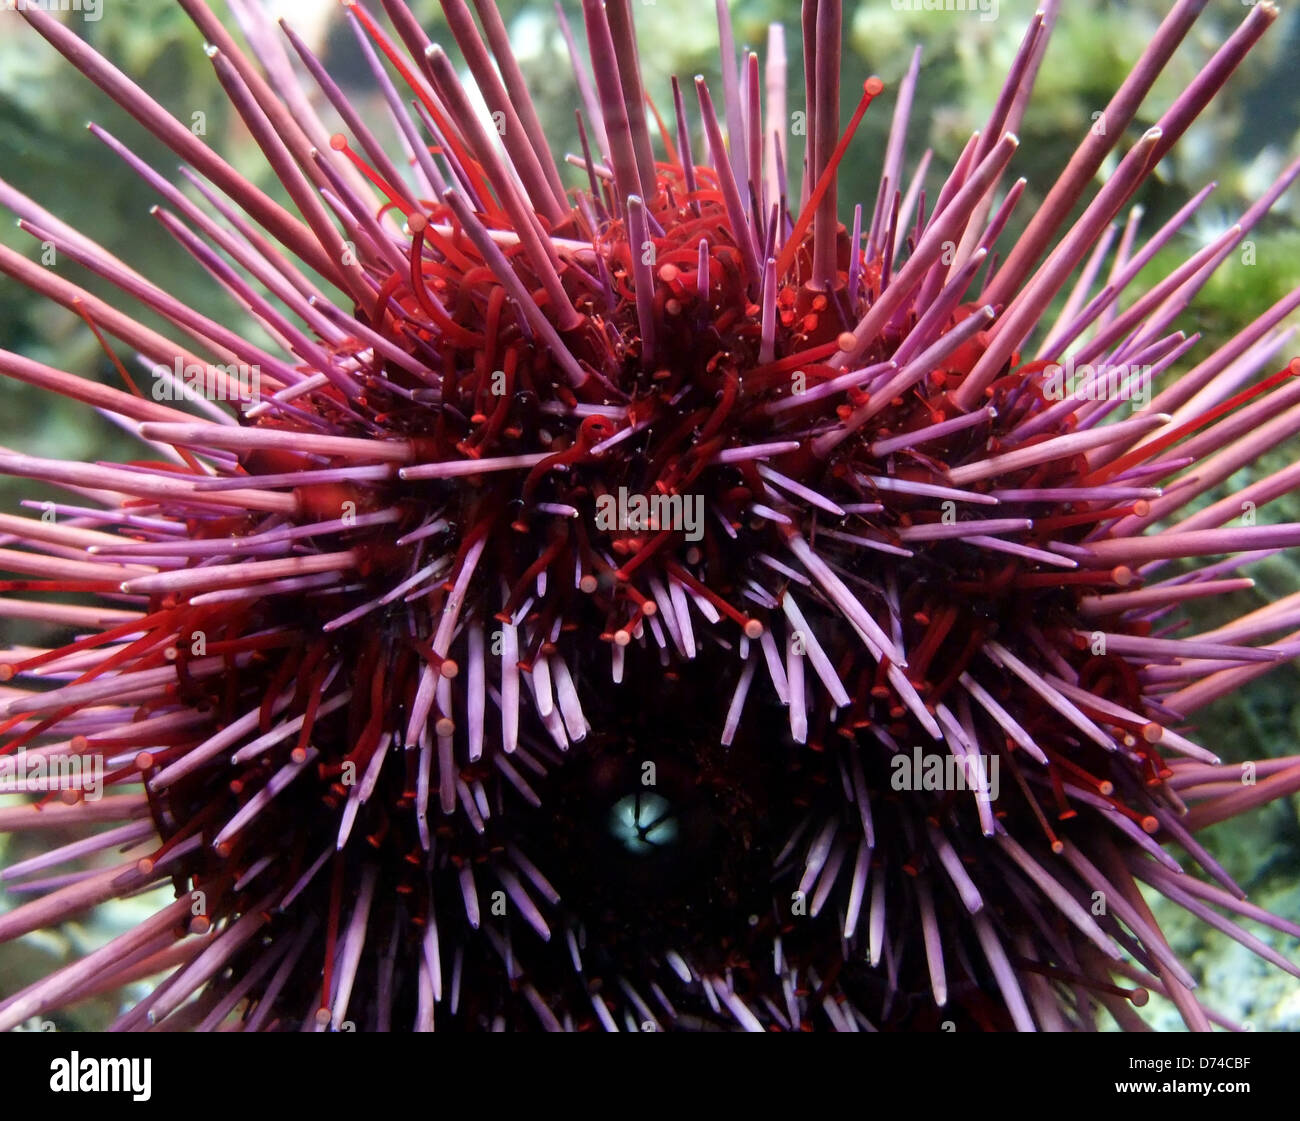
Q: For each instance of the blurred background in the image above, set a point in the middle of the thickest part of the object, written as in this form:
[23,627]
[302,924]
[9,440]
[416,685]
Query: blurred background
[1242,142]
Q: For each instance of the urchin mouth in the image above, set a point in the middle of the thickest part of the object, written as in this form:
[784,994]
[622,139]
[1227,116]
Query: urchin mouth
[651,814]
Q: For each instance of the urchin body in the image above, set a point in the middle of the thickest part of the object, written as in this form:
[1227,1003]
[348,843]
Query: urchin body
[425,740]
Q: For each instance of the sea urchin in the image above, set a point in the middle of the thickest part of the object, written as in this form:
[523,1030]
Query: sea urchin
[644,605]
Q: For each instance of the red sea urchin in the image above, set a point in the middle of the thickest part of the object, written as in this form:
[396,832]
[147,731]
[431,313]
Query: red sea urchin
[551,641]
